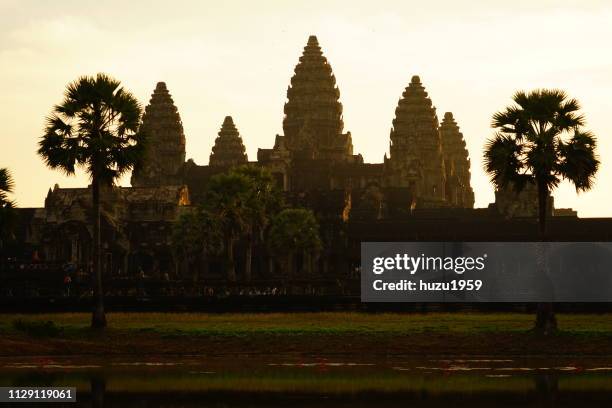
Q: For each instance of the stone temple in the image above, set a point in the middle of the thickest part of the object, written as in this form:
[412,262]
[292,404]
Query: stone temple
[428,165]
[420,191]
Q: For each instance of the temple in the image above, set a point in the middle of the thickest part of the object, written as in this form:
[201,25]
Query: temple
[421,190]
[165,157]
[228,150]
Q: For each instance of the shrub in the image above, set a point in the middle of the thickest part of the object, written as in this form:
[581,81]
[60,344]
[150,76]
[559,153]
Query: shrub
[37,329]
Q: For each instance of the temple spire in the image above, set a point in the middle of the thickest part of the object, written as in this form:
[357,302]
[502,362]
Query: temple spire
[313,113]
[165,156]
[457,163]
[416,157]
[228,149]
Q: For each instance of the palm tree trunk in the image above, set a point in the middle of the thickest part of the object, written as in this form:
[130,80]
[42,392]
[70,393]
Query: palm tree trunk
[542,210]
[98,319]
[248,258]
[231,267]
[290,261]
[308,262]
[98,389]
[546,321]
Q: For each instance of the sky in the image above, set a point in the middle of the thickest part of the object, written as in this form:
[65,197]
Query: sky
[237,57]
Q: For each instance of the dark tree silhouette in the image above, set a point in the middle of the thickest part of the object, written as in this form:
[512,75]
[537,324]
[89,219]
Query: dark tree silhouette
[264,199]
[539,141]
[227,198]
[6,206]
[96,128]
[196,235]
[292,231]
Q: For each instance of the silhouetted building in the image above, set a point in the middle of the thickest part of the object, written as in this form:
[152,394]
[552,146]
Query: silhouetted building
[423,186]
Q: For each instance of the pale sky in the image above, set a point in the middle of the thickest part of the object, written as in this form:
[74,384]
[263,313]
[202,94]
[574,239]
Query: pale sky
[237,57]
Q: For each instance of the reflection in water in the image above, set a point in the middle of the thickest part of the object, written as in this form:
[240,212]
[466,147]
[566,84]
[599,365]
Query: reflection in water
[224,382]
[98,389]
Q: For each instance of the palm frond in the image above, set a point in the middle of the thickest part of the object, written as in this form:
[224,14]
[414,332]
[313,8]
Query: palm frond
[578,161]
[502,161]
[6,181]
[96,127]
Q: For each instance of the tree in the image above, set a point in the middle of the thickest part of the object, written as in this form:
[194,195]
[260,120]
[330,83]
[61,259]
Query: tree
[227,197]
[6,206]
[263,200]
[195,235]
[292,231]
[539,141]
[96,128]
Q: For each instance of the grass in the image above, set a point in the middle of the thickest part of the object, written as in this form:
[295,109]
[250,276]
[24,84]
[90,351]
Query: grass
[37,328]
[315,323]
[332,333]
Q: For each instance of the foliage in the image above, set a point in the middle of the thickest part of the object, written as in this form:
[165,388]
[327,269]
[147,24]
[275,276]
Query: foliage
[539,140]
[7,215]
[227,196]
[197,233]
[263,197]
[6,188]
[96,127]
[294,229]
[237,205]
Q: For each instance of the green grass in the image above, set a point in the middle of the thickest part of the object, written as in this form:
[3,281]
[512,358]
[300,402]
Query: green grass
[313,323]
[37,328]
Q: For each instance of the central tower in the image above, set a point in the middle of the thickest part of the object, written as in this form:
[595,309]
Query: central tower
[313,112]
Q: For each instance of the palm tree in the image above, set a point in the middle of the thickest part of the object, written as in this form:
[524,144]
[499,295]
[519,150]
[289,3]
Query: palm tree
[539,141]
[96,128]
[6,205]
[227,197]
[263,200]
[292,231]
[195,235]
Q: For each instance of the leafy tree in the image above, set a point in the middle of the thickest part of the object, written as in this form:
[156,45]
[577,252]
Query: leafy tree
[96,128]
[292,231]
[264,199]
[539,141]
[227,197]
[196,235]
[6,206]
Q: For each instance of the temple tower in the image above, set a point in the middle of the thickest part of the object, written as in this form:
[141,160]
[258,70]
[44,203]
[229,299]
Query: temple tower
[228,150]
[416,160]
[313,113]
[457,164]
[165,156]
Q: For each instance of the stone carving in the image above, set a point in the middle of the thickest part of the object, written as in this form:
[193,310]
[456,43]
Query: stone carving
[165,157]
[228,149]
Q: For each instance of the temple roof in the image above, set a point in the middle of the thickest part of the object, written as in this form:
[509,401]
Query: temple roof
[452,138]
[416,146]
[415,126]
[163,128]
[228,149]
[313,112]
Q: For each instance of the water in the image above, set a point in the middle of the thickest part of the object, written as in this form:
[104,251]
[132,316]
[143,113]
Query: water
[250,381]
